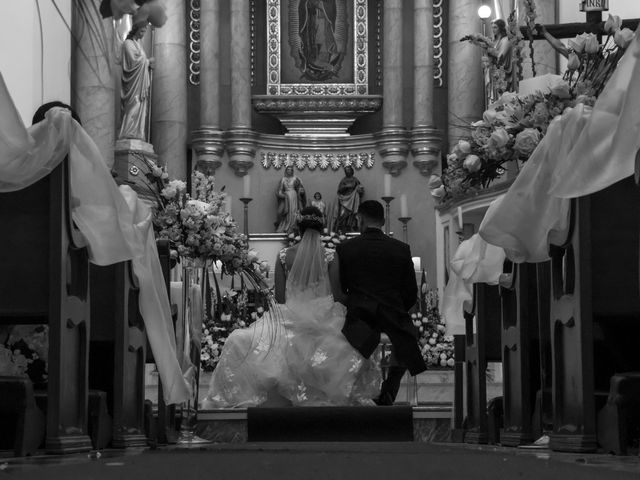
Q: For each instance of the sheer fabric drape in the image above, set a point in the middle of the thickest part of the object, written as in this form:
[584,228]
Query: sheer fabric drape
[115,224]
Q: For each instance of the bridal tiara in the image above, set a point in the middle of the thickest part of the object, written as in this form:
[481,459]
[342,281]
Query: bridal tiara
[310,218]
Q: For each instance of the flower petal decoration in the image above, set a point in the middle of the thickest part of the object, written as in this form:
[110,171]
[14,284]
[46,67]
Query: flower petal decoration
[613,24]
[624,37]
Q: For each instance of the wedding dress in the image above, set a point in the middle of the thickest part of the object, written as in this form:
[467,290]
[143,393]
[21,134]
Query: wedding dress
[297,352]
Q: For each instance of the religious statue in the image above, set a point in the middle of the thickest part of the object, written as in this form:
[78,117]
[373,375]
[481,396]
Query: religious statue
[136,82]
[501,53]
[320,205]
[291,199]
[350,192]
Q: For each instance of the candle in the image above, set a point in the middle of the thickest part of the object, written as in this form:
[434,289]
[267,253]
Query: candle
[387,184]
[417,263]
[404,210]
[460,222]
[247,186]
[227,205]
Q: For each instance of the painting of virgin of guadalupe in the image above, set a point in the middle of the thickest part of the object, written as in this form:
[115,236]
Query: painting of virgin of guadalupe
[318,34]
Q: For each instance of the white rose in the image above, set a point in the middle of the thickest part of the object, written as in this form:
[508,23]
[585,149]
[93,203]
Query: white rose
[591,45]
[577,43]
[432,341]
[613,24]
[490,116]
[451,362]
[623,38]
[472,163]
[438,192]
[527,141]
[464,146]
[499,138]
[573,63]
[560,88]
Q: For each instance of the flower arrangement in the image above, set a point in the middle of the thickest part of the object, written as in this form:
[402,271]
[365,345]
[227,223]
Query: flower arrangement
[514,124]
[437,348]
[198,227]
[24,353]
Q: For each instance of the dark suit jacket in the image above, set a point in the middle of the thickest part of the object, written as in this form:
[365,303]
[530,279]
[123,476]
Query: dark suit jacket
[377,275]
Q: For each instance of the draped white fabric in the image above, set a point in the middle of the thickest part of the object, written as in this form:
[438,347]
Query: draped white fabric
[115,223]
[604,152]
[528,219]
[475,261]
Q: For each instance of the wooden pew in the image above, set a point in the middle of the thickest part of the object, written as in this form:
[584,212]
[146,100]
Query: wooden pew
[595,310]
[520,352]
[120,352]
[45,279]
[117,355]
[482,347]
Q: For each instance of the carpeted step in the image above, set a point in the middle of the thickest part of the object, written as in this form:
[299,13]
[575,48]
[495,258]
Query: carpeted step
[330,424]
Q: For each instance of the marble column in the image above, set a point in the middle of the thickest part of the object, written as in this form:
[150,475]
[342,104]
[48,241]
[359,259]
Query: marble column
[241,144]
[169,133]
[466,81]
[93,75]
[425,138]
[207,140]
[393,140]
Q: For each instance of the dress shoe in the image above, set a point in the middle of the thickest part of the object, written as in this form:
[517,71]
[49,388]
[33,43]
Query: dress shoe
[384,400]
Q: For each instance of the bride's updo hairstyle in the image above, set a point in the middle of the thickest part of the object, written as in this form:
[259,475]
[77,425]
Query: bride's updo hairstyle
[310,217]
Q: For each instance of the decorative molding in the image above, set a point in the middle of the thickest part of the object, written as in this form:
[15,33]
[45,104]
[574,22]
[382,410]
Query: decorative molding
[208,143]
[241,147]
[252,21]
[393,145]
[269,104]
[360,53]
[316,160]
[379,33]
[194,42]
[316,116]
[426,148]
[438,39]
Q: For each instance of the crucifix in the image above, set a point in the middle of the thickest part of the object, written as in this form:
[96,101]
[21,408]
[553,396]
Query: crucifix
[594,24]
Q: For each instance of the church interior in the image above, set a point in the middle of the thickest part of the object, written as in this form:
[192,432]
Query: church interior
[145,212]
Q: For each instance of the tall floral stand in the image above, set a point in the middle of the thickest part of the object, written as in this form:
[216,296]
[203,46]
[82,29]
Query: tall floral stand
[195,303]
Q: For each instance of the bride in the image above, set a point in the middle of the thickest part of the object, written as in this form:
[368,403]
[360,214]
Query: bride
[297,355]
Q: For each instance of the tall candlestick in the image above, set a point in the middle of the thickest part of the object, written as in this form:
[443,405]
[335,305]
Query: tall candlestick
[387,184]
[387,219]
[245,201]
[405,229]
[246,181]
[404,210]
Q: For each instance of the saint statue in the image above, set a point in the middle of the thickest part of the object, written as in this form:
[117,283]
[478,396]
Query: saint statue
[291,199]
[350,193]
[136,82]
[501,73]
[320,205]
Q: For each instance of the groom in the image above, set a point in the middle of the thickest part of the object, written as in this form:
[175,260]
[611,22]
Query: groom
[378,278]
